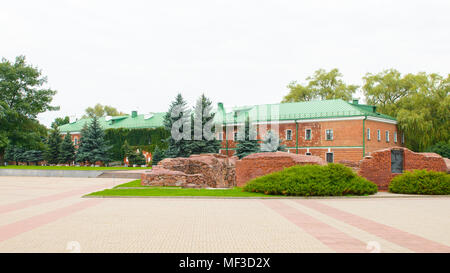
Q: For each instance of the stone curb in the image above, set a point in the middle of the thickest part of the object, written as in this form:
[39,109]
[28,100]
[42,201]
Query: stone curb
[276,197]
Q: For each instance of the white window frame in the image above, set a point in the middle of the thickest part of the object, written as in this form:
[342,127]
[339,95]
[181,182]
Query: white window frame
[220,136]
[379,135]
[395,137]
[368,133]
[387,135]
[403,138]
[326,135]
[310,133]
[75,140]
[286,134]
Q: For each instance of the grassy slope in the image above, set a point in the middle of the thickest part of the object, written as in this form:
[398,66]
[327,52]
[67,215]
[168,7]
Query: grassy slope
[171,191]
[71,168]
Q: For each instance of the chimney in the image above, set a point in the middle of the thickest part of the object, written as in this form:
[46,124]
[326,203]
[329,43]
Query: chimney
[355,101]
[133,114]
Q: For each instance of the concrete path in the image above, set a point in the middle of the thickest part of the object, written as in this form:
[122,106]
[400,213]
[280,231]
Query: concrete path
[40,214]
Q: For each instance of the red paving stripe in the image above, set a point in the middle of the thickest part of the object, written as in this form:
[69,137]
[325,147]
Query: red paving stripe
[17,228]
[48,198]
[397,236]
[328,235]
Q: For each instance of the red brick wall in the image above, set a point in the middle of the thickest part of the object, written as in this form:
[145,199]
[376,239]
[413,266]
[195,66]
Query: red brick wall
[347,138]
[377,166]
[260,164]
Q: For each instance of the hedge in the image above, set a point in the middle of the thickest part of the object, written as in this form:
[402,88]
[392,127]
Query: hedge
[312,180]
[144,139]
[421,182]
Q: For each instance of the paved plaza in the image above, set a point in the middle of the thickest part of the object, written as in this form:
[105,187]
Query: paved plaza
[48,215]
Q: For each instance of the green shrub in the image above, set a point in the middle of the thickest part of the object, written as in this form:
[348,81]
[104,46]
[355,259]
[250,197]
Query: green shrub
[421,182]
[312,180]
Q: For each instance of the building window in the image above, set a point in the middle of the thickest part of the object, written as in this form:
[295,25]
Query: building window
[329,134]
[235,136]
[403,138]
[288,134]
[329,157]
[308,134]
[387,136]
[395,137]
[220,136]
[75,141]
[368,133]
[308,153]
[378,135]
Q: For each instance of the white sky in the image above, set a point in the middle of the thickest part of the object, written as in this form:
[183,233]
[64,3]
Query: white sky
[137,55]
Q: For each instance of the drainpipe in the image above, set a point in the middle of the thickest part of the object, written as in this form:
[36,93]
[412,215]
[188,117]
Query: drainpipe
[296,137]
[364,136]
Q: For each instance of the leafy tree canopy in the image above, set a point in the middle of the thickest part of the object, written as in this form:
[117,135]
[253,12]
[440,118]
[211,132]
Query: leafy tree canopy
[101,111]
[60,121]
[321,85]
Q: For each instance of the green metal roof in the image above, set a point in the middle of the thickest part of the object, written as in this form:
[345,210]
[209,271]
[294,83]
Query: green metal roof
[151,120]
[302,110]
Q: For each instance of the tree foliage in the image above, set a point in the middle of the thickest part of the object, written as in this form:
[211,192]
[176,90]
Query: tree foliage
[179,140]
[93,147]
[67,152]
[157,155]
[419,102]
[322,85]
[22,97]
[249,144]
[60,121]
[102,110]
[53,146]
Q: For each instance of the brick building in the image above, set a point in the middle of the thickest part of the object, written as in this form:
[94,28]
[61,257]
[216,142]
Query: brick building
[133,121]
[331,129]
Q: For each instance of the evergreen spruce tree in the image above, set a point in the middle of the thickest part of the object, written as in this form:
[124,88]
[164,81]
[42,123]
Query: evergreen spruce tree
[272,143]
[67,152]
[178,147]
[158,155]
[93,146]
[127,151]
[33,156]
[249,144]
[9,154]
[201,117]
[139,158]
[81,155]
[19,154]
[54,146]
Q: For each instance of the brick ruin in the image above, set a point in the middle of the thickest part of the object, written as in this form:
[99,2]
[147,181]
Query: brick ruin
[260,164]
[376,167]
[220,171]
[196,171]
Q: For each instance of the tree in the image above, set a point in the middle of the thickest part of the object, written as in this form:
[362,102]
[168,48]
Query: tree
[203,128]
[127,151]
[158,155]
[442,148]
[177,120]
[22,98]
[93,147]
[419,102]
[249,144]
[322,85]
[272,143]
[33,156]
[54,146]
[60,121]
[102,110]
[67,152]
[10,154]
[138,158]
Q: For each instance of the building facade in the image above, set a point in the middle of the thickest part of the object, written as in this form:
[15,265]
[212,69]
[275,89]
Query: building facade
[334,130]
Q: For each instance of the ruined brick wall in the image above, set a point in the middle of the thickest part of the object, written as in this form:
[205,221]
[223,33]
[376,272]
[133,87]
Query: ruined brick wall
[204,170]
[377,166]
[260,164]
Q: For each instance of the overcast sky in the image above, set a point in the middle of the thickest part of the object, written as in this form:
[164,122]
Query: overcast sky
[137,55]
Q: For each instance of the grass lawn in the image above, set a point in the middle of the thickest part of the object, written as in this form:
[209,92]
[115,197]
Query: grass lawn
[172,191]
[81,168]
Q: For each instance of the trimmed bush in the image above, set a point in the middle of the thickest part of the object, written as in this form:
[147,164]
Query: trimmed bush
[421,182]
[312,180]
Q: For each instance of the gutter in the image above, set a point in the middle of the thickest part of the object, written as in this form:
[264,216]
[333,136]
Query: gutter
[296,136]
[364,136]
